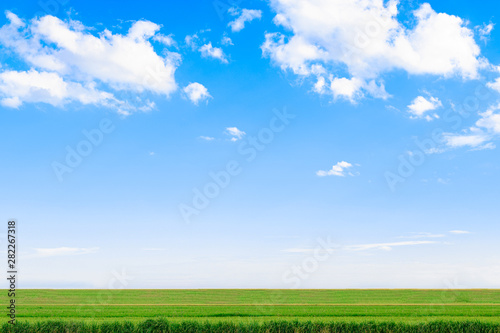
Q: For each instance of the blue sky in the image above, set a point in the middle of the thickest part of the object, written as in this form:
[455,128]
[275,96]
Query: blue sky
[249,144]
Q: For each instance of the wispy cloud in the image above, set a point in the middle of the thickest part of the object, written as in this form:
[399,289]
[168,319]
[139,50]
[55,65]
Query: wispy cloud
[385,246]
[235,133]
[209,51]
[484,31]
[339,169]
[64,251]
[423,235]
[459,232]
[207,138]
[364,247]
[245,15]
[477,137]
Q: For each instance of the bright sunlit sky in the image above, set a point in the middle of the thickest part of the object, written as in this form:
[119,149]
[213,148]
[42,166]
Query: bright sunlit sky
[251,144]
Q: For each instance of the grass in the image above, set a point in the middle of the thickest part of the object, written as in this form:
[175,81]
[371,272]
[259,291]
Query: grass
[256,310]
[161,325]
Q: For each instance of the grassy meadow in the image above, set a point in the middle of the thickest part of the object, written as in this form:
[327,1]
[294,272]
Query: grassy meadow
[240,310]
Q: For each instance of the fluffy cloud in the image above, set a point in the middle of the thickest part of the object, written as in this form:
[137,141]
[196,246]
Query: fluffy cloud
[209,51]
[464,140]
[35,87]
[235,133]
[339,169]
[364,39]
[75,62]
[486,129]
[245,15]
[421,105]
[196,92]
[347,88]
[495,85]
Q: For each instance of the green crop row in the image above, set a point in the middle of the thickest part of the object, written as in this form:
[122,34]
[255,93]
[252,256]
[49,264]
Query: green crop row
[162,325]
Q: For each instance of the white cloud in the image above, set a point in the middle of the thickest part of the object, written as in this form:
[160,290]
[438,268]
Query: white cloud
[385,246]
[166,40]
[459,232]
[366,39]
[196,93]
[484,31]
[490,120]
[364,247]
[423,235]
[209,51]
[495,85]
[226,40]
[443,181]
[486,146]
[235,133]
[245,15]
[339,169]
[83,61]
[348,88]
[47,87]
[477,137]
[470,140]
[192,41]
[421,105]
[207,138]
[64,251]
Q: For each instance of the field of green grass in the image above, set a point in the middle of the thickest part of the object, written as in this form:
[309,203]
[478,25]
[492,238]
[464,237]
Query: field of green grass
[257,306]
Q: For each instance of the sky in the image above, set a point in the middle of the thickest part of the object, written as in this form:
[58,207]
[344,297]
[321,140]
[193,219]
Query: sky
[251,144]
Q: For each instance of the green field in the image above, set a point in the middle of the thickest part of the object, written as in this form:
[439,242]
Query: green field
[258,306]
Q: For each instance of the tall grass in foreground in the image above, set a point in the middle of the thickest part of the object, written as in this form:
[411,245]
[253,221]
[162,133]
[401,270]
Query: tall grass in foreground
[161,325]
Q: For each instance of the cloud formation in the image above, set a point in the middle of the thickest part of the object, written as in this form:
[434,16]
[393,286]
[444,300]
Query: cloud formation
[339,169]
[479,136]
[385,246]
[68,63]
[459,232]
[420,107]
[365,247]
[346,46]
[196,93]
[235,133]
[244,15]
[64,251]
[209,51]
